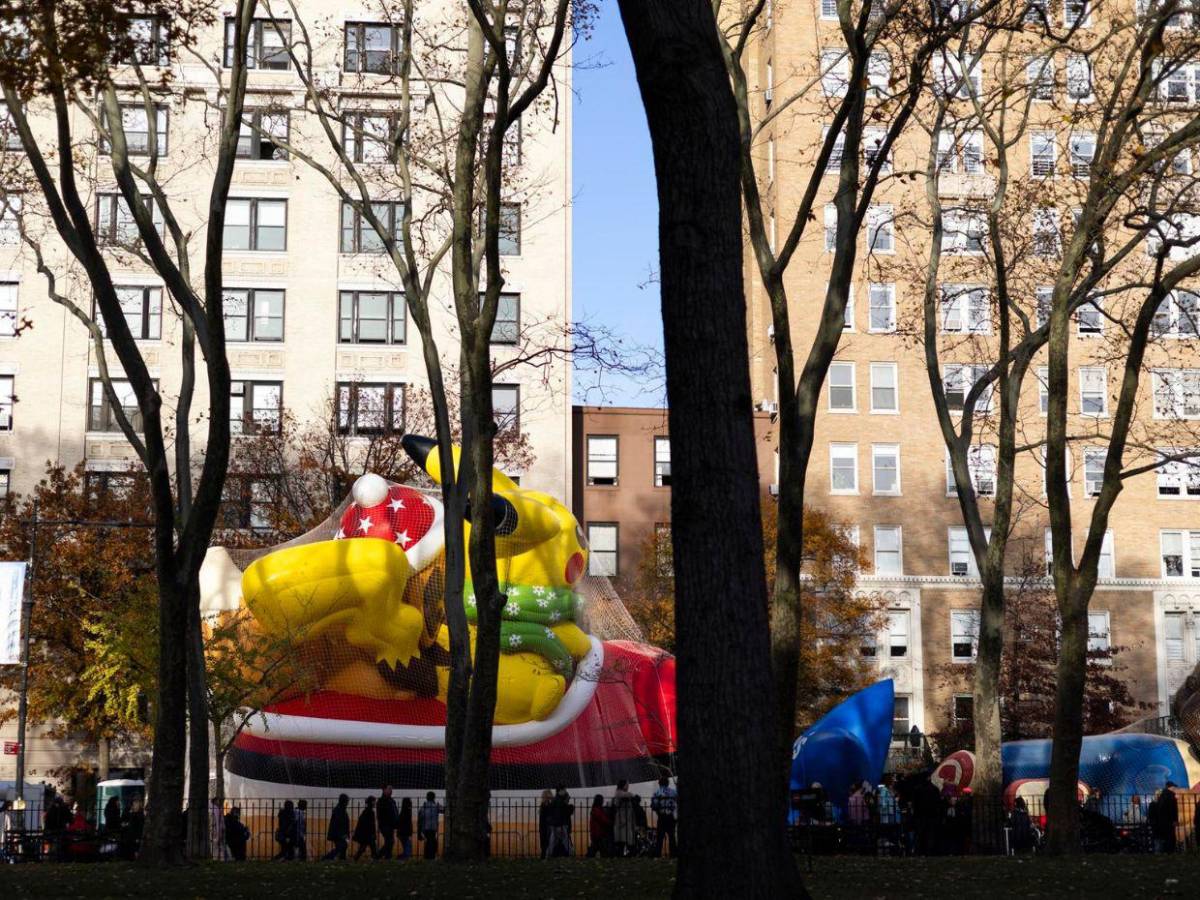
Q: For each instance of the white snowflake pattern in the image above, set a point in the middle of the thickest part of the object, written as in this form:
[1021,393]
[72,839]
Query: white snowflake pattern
[543,602]
[513,609]
[555,616]
[539,591]
[514,640]
[550,633]
[470,599]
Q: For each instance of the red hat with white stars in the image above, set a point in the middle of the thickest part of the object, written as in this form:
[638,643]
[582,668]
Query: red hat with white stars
[395,513]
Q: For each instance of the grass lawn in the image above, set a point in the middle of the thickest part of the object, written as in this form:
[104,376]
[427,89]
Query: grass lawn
[832,877]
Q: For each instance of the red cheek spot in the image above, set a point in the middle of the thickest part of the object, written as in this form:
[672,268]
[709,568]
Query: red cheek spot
[574,567]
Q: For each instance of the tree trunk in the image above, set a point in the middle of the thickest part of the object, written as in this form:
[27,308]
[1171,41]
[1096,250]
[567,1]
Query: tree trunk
[1062,799]
[728,737]
[986,784]
[219,773]
[787,600]
[162,839]
[198,744]
[104,756]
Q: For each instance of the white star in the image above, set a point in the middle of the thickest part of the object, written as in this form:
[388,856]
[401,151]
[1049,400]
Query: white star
[339,535]
[514,640]
[402,538]
[396,505]
[364,524]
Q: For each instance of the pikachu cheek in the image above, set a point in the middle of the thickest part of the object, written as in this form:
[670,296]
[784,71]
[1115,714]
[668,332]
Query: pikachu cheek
[574,567]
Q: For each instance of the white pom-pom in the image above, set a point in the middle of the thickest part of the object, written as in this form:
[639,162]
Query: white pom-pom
[370,490]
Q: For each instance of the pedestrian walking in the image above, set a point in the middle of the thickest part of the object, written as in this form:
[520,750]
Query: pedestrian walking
[302,829]
[624,818]
[237,835]
[285,832]
[562,812]
[365,832]
[338,832]
[388,816]
[427,824]
[664,803]
[599,828]
[544,821]
[404,828]
[112,815]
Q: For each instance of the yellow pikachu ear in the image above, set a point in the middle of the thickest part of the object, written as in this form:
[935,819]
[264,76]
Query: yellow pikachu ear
[522,521]
[423,451]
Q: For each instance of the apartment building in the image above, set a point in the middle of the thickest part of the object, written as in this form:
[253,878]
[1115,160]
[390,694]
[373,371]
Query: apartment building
[621,490]
[879,463]
[314,313]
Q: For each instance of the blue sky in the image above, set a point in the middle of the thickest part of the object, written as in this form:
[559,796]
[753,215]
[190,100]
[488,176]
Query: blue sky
[615,208]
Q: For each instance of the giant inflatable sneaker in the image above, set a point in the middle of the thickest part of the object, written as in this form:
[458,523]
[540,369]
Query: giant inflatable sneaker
[1121,763]
[358,601]
[848,745]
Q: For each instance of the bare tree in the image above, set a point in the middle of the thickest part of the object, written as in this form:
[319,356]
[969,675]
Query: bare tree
[59,56]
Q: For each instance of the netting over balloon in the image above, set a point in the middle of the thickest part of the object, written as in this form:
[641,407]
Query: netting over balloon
[357,607]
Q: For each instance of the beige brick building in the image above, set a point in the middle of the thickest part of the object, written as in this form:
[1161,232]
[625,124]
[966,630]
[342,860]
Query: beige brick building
[315,315]
[879,463]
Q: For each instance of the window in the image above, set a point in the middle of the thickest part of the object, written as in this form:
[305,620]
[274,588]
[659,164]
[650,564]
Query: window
[1093,470]
[142,309]
[1043,152]
[507,327]
[1089,318]
[964,634]
[958,380]
[843,468]
[1039,72]
[9,315]
[371,317]
[368,137]
[835,72]
[255,407]
[834,164]
[602,459]
[602,549]
[1045,299]
[138,128]
[900,716]
[1098,637]
[1107,565]
[6,402]
[963,152]
[1175,235]
[962,559]
[373,47]
[885,395]
[869,648]
[887,550]
[949,80]
[360,236]
[365,409]
[831,217]
[253,314]
[1178,315]
[1176,393]
[101,416]
[1079,78]
[506,406]
[261,134]
[101,483]
[510,229]
[1036,12]
[1179,477]
[1093,391]
[662,461]
[965,309]
[829,9]
[10,220]
[882,303]
[963,231]
[1047,242]
[841,387]
[964,709]
[898,622]
[769,93]
[879,74]
[872,143]
[150,41]
[266,45]
[247,502]
[1077,12]
[848,312]
[1049,551]
[5,482]
[1176,84]
[1083,150]
[981,464]
[115,224]
[255,224]
[1180,554]
[885,469]
[880,235]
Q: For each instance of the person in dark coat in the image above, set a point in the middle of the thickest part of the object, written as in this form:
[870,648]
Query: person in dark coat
[133,823]
[1021,837]
[339,829]
[1164,816]
[599,828]
[285,831]
[427,824]
[404,828]
[388,816]
[112,815]
[544,821]
[365,831]
[237,835]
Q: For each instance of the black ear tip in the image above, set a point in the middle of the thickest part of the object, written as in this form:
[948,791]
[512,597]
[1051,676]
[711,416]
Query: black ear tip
[418,447]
